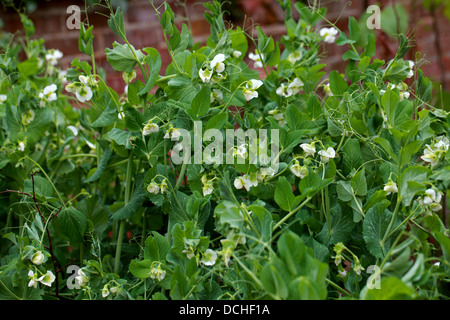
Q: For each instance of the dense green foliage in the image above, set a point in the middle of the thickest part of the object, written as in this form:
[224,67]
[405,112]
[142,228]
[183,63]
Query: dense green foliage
[352,211]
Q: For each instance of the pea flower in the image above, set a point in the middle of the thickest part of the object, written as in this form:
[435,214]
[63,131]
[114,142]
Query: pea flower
[298,170]
[21,146]
[163,186]
[433,199]
[149,128]
[257,58]
[53,55]
[48,94]
[38,258]
[265,172]
[411,67]
[153,187]
[294,57]
[158,273]
[217,64]
[205,75]
[47,279]
[430,156]
[325,156]
[278,115]
[128,77]
[390,187]
[33,279]
[216,95]
[209,258]
[208,187]
[246,181]
[284,91]
[251,86]
[105,291]
[82,279]
[3,98]
[237,54]
[296,86]
[28,117]
[327,90]
[329,34]
[173,134]
[310,149]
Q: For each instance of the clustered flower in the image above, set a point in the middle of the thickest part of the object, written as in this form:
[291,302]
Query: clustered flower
[433,153]
[250,180]
[208,186]
[157,273]
[149,128]
[401,87]
[257,58]
[156,188]
[48,94]
[214,70]
[287,90]
[52,56]
[83,88]
[431,200]
[46,279]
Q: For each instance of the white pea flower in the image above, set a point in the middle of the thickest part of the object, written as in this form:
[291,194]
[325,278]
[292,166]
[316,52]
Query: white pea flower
[239,183]
[295,56]
[208,187]
[158,273]
[390,187]
[251,86]
[84,93]
[265,172]
[52,56]
[33,279]
[237,54]
[62,76]
[342,273]
[442,143]
[216,95]
[21,146]
[88,80]
[149,128]
[298,170]
[310,149]
[38,258]
[48,94]
[257,58]
[205,75]
[217,64]
[114,290]
[163,186]
[325,156]
[241,151]
[411,67]
[296,86]
[432,196]
[3,98]
[47,279]
[82,279]
[430,156]
[284,91]
[153,187]
[105,291]
[173,134]
[209,258]
[329,34]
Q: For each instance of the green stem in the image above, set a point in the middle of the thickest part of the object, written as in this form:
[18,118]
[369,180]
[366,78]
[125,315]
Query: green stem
[290,214]
[181,176]
[122,223]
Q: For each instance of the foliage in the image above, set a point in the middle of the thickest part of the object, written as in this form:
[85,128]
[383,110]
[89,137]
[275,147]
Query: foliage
[363,167]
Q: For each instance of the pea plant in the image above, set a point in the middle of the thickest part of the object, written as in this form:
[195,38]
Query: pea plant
[156,193]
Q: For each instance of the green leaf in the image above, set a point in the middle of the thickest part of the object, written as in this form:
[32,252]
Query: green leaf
[153,59]
[341,227]
[338,85]
[140,269]
[201,102]
[121,137]
[390,289]
[72,223]
[156,247]
[117,25]
[228,213]
[352,158]
[284,196]
[123,57]
[411,182]
[375,225]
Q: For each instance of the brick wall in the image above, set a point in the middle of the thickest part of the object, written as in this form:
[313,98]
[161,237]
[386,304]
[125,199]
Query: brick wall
[143,30]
